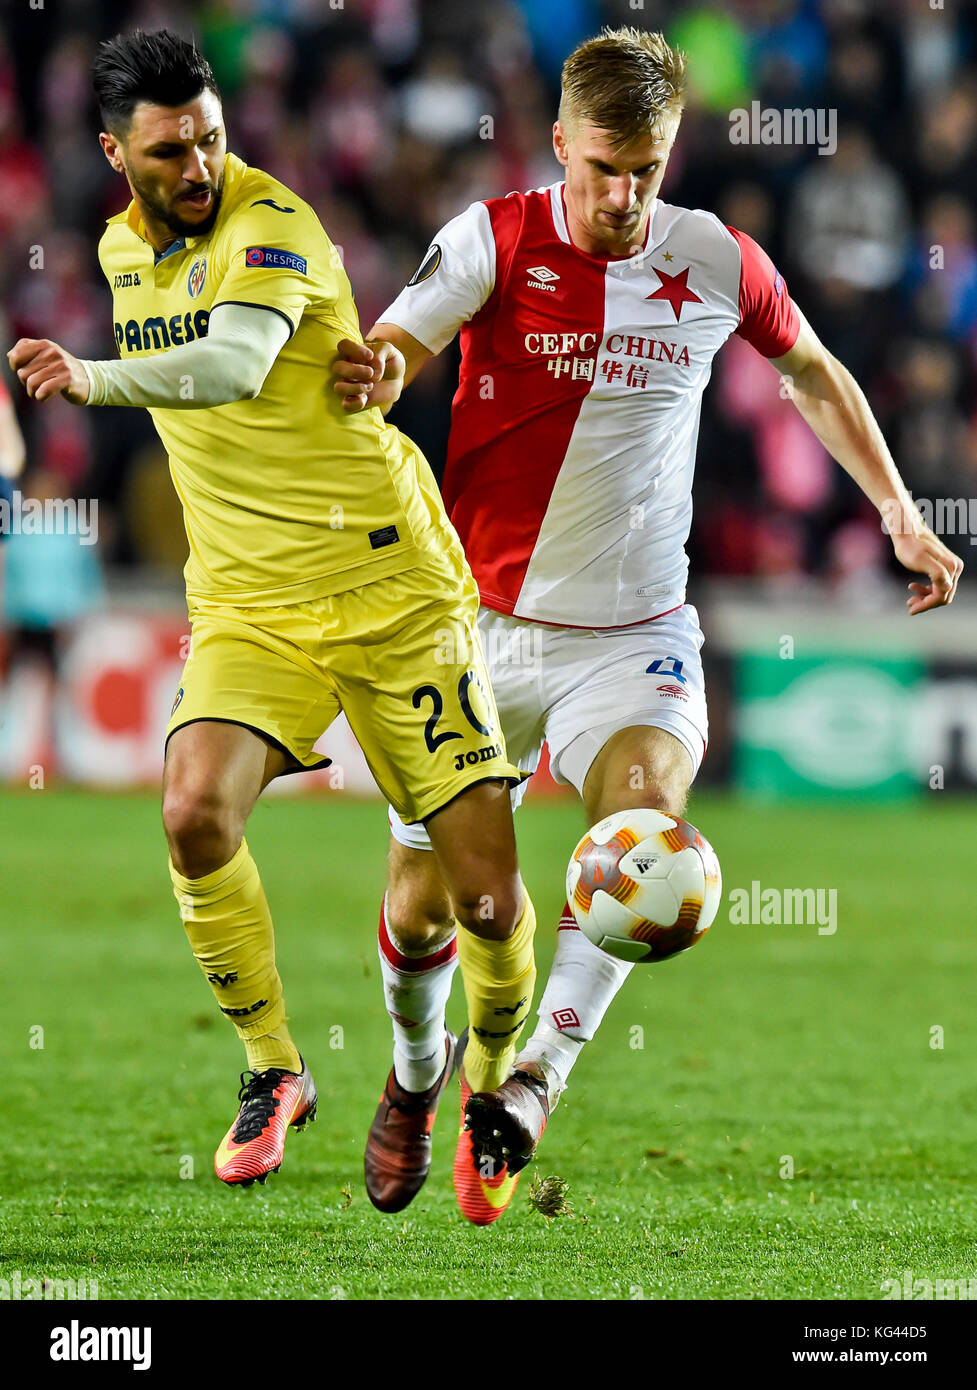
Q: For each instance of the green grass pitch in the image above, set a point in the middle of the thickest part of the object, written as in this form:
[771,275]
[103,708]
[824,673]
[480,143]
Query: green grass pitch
[765,1047]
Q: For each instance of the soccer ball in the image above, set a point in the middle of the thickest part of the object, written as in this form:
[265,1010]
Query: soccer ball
[644,886]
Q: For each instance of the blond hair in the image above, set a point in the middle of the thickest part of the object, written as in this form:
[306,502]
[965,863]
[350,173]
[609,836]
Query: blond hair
[626,81]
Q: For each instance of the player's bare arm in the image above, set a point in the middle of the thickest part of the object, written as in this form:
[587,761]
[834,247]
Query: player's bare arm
[376,372]
[834,405]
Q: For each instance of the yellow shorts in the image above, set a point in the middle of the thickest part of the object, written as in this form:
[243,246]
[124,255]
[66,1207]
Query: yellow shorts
[400,656]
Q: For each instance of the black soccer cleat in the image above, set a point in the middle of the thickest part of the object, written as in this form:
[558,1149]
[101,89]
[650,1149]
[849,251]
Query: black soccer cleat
[507,1124]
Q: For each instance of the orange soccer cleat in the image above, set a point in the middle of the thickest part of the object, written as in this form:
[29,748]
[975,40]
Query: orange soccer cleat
[483,1187]
[254,1145]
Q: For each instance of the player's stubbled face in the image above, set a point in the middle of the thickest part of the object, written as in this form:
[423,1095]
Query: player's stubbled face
[609,191]
[174,157]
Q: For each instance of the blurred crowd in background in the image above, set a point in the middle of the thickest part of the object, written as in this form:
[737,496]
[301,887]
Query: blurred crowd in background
[373,110]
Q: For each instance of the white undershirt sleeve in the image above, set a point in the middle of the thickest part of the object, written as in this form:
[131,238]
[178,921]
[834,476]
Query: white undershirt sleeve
[229,364]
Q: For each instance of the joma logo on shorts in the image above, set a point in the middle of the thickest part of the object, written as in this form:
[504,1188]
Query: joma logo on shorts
[478,755]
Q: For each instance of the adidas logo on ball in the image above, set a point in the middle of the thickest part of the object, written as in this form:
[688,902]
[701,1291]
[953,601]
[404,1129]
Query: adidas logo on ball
[644,886]
[644,863]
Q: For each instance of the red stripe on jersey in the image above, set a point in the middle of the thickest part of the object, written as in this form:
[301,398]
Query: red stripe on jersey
[768,319]
[592,627]
[513,414]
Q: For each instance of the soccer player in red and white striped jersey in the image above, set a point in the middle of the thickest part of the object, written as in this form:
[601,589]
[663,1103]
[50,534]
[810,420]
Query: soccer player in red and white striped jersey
[590,313]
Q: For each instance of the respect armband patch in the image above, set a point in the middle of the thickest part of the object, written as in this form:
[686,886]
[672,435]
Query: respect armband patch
[272,258]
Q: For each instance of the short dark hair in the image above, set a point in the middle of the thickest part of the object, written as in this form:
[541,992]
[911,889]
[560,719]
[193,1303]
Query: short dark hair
[161,68]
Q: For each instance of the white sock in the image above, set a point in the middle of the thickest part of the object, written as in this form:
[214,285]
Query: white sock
[582,982]
[416,989]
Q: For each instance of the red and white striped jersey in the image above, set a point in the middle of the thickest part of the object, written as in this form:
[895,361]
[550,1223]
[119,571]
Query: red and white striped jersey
[572,447]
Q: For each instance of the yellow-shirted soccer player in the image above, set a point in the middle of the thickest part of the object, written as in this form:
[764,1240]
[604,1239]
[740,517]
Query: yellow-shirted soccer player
[323,576]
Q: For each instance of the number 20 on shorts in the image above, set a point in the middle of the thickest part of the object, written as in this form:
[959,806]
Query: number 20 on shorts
[432,737]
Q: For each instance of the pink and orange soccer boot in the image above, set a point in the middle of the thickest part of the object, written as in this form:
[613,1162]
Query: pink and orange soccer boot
[483,1187]
[254,1145]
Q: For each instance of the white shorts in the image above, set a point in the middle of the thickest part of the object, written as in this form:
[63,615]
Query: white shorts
[575,687]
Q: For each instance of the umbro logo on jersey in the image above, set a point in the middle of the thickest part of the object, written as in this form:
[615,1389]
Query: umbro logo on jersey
[539,275]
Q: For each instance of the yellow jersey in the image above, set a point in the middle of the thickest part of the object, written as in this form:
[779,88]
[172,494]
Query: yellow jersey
[285,497]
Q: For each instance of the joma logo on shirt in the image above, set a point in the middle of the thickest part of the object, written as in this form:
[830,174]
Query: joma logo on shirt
[161,333]
[126,280]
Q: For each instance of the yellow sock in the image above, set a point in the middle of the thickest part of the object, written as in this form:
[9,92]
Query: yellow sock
[229,927]
[499,978]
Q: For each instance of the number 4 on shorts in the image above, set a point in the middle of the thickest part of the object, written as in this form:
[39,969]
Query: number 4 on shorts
[659,668]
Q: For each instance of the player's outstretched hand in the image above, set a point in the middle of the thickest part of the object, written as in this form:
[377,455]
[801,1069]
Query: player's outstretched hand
[925,553]
[46,370]
[368,374]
